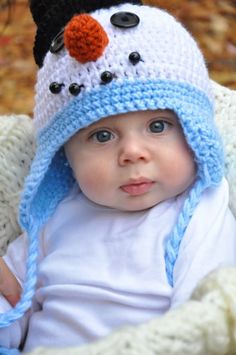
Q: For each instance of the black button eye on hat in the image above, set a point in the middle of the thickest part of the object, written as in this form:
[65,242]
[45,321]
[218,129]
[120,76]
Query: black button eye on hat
[51,16]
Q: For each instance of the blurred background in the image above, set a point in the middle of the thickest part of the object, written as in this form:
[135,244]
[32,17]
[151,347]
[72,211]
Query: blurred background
[212,23]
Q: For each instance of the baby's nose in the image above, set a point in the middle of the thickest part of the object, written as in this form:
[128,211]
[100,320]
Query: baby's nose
[133,151]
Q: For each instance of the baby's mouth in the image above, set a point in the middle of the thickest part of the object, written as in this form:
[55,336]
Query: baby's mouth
[136,187]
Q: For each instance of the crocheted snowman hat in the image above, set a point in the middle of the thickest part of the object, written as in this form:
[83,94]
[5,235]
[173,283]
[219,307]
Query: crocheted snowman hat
[98,60]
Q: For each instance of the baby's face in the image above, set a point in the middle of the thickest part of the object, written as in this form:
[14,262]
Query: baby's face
[132,161]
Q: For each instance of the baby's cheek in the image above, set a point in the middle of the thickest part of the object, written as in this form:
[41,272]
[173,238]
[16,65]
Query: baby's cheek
[90,181]
[85,180]
[184,170]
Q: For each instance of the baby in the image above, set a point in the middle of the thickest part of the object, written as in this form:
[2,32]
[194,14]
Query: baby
[126,207]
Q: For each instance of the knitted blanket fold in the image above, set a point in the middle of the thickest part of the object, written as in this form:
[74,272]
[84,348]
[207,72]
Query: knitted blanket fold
[204,325]
[225,111]
[16,154]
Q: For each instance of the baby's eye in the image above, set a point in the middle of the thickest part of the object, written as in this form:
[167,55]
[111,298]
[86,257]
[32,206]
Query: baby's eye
[158,126]
[102,136]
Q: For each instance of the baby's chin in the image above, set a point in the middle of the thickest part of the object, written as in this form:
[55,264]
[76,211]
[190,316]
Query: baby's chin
[128,203]
[135,206]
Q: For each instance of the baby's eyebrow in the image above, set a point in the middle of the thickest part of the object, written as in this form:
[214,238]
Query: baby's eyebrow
[80,131]
[84,130]
[163,115]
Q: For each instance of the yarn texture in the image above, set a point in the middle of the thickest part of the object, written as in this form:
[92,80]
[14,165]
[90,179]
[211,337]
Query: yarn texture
[225,113]
[52,15]
[85,38]
[17,149]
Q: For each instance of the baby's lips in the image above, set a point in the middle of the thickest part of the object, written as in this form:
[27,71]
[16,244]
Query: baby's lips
[137,188]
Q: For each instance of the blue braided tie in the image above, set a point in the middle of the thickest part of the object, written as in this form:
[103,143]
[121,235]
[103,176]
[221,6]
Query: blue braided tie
[175,238]
[5,351]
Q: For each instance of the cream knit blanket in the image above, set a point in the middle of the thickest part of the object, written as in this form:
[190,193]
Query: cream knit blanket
[204,325]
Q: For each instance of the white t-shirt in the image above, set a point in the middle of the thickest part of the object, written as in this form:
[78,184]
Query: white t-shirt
[101,269]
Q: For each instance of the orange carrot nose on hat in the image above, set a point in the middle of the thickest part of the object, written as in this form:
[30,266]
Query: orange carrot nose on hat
[85,38]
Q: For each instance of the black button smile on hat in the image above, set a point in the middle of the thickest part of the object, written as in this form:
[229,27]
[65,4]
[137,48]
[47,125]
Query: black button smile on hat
[124,19]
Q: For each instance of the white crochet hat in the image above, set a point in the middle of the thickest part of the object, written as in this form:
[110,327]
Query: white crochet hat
[113,60]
